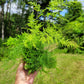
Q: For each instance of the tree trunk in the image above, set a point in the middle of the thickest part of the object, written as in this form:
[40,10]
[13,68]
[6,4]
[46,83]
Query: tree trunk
[2,22]
[10,14]
[7,11]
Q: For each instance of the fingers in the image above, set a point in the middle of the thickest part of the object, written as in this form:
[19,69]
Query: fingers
[21,69]
[22,75]
[33,75]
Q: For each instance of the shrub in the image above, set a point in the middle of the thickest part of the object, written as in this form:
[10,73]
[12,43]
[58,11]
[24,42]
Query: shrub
[31,49]
[74,31]
[4,52]
[74,10]
[3,49]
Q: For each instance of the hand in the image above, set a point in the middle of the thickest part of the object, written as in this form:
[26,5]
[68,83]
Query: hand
[22,76]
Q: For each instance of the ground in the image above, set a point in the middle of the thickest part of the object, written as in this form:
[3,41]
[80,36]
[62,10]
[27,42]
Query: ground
[69,70]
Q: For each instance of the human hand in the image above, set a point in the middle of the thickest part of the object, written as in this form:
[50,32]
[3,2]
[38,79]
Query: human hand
[22,76]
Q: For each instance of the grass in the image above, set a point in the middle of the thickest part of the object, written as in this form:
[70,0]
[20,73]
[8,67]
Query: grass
[70,70]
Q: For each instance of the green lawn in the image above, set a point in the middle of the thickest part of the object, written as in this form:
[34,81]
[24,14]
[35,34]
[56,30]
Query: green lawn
[70,70]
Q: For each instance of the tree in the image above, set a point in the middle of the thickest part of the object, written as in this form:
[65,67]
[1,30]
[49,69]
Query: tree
[2,15]
[74,10]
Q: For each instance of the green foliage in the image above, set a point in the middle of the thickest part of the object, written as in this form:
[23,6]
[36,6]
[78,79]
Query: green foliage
[48,35]
[2,2]
[74,31]
[81,18]
[69,46]
[0,42]
[74,10]
[4,52]
[31,49]
[30,46]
